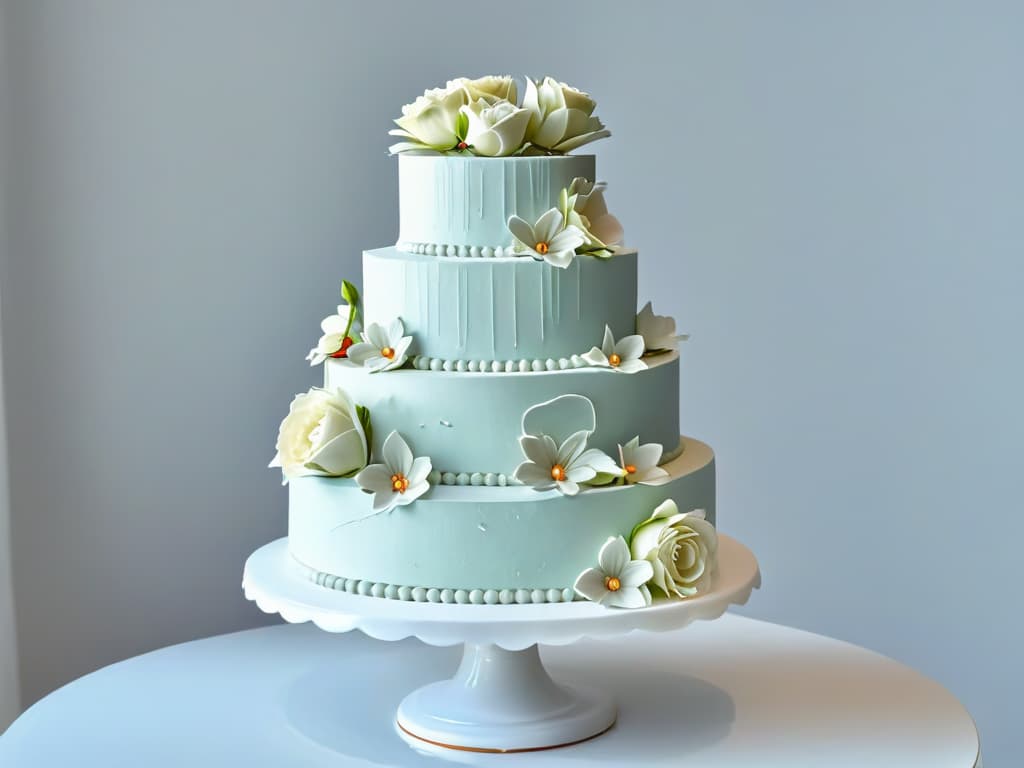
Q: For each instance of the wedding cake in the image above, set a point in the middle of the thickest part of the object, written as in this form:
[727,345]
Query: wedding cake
[498,424]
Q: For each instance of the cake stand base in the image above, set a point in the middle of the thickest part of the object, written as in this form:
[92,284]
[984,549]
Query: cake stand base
[502,701]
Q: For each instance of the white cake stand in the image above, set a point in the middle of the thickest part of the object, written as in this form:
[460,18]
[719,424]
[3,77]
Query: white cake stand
[501,699]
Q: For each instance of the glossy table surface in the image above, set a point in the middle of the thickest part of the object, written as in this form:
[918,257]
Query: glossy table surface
[732,692]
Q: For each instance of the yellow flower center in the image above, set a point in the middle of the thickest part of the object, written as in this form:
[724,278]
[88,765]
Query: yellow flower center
[630,469]
[612,583]
[614,359]
[388,352]
[541,248]
[558,472]
[399,482]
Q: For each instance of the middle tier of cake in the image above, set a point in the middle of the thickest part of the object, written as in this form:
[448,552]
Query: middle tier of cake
[508,312]
[470,423]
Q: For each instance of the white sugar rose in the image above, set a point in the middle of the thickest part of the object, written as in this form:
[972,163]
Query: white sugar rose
[491,88]
[495,130]
[561,117]
[430,122]
[682,547]
[324,434]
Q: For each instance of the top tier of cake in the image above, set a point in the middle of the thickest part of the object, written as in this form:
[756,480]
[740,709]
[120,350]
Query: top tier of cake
[459,206]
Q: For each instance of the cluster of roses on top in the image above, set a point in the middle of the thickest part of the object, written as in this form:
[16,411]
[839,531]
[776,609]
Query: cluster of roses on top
[482,117]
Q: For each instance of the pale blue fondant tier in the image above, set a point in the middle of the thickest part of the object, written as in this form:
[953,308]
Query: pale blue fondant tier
[466,201]
[471,422]
[478,537]
[509,308]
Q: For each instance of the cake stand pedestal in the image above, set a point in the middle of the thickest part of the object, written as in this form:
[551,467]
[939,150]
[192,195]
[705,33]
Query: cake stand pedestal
[501,699]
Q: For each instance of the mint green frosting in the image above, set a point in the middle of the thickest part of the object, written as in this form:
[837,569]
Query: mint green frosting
[479,537]
[472,421]
[501,309]
[466,201]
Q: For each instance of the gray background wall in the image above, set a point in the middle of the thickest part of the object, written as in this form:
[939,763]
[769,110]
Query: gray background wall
[827,195]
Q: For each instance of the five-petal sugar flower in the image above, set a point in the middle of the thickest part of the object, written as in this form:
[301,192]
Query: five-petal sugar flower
[561,117]
[494,130]
[681,547]
[622,355]
[549,239]
[583,206]
[400,480]
[640,463]
[618,581]
[562,463]
[382,349]
[549,465]
[658,331]
[325,433]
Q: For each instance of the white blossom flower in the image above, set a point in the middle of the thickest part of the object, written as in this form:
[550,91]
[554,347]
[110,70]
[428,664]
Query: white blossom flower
[682,548]
[658,331]
[640,463]
[494,130]
[618,581]
[586,209]
[561,117]
[622,355]
[325,434]
[382,349]
[549,465]
[400,480]
[491,88]
[549,239]
[337,336]
[431,122]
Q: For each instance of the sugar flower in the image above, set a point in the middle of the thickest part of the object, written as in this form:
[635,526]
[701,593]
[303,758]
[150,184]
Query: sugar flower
[382,349]
[618,581]
[549,465]
[640,463]
[494,130]
[400,480]
[491,88]
[682,548]
[561,117]
[325,433]
[622,355]
[584,207]
[658,331]
[431,122]
[336,337]
[549,239]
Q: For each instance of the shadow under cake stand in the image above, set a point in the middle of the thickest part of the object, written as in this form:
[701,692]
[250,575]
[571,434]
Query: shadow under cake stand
[501,699]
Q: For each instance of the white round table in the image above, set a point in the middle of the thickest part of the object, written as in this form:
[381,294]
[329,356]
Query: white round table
[733,692]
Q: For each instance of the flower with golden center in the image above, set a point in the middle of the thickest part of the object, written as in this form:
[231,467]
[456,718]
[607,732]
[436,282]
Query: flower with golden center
[618,581]
[640,463]
[623,355]
[399,480]
[549,239]
[382,349]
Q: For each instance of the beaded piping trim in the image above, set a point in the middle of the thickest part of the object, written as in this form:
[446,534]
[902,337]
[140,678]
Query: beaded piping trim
[441,477]
[439,595]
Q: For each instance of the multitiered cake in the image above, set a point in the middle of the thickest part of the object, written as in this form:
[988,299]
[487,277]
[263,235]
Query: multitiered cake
[497,423]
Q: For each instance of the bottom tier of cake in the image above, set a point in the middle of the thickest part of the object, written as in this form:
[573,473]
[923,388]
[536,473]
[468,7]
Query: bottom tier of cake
[477,543]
